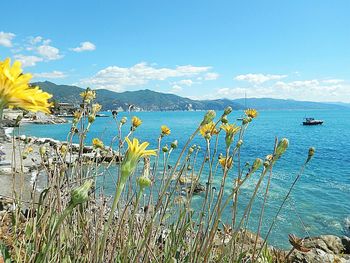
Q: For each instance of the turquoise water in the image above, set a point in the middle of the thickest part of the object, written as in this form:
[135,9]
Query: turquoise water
[319,203]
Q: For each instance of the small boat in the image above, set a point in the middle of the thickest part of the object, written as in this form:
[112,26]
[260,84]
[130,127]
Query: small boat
[312,121]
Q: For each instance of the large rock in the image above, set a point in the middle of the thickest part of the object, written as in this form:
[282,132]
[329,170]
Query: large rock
[324,248]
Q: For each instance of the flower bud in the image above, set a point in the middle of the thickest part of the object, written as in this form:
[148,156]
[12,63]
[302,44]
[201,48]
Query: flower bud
[208,117]
[174,144]
[239,143]
[227,110]
[80,194]
[63,149]
[189,167]
[311,153]
[247,120]
[224,119]
[256,165]
[123,120]
[190,150]
[144,182]
[165,149]
[42,150]
[282,147]
[91,118]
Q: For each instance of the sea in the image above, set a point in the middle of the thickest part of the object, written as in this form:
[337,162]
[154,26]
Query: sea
[319,202]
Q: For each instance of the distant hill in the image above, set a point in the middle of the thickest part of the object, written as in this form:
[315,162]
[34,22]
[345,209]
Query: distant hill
[148,100]
[280,104]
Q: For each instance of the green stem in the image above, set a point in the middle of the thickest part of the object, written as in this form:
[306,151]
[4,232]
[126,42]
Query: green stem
[111,214]
[65,213]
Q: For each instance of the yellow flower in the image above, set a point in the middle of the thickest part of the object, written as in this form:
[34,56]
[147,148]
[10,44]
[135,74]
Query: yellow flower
[63,149]
[252,113]
[208,128]
[136,122]
[96,108]
[165,130]
[231,129]
[77,114]
[97,143]
[227,163]
[135,152]
[16,92]
[88,95]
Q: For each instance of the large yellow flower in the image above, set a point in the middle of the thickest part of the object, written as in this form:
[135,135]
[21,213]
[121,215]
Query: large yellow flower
[230,129]
[252,113]
[135,152]
[16,92]
[208,128]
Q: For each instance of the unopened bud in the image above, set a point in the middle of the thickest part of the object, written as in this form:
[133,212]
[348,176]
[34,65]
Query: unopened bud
[42,150]
[123,120]
[190,150]
[282,147]
[144,182]
[311,153]
[165,149]
[91,118]
[208,117]
[256,165]
[227,110]
[224,119]
[239,143]
[174,144]
[247,120]
[80,194]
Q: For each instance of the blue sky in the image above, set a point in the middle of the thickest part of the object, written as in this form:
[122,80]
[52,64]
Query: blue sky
[200,49]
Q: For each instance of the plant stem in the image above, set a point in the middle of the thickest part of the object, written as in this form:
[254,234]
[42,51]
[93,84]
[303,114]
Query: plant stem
[111,214]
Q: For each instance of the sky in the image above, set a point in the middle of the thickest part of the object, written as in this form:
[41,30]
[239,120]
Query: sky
[200,49]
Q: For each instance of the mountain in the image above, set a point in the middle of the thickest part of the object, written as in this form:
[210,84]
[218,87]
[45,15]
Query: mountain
[149,100]
[280,104]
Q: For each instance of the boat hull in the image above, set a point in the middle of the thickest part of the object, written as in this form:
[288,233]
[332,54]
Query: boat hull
[312,123]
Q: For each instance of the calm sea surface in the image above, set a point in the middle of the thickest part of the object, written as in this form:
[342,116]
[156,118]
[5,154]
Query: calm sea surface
[320,202]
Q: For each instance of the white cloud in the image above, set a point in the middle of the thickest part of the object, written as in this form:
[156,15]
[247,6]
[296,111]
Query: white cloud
[308,90]
[259,78]
[186,82]
[175,89]
[211,76]
[117,78]
[28,61]
[49,52]
[85,46]
[35,40]
[333,81]
[50,75]
[6,39]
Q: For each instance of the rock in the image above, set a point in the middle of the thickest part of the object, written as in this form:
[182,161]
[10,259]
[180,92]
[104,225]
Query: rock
[198,188]
[324,248]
